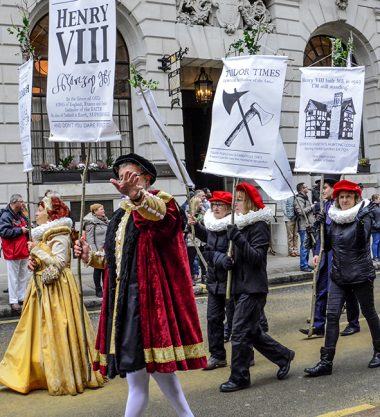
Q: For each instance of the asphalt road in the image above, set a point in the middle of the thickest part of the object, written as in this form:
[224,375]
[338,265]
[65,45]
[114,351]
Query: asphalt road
[351,385]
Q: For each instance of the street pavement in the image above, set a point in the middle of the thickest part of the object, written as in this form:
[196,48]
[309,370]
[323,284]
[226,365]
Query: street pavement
[281,269]
[352,389]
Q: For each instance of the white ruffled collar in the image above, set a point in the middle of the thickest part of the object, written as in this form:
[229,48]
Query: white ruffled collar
[262,215]
[216,225]
[39,231]
[340,216]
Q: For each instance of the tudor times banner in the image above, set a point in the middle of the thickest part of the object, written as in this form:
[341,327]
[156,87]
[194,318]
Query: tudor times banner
[82,48]
[25,111]
[246,117]
[330,120]
[282,184]
[153,116]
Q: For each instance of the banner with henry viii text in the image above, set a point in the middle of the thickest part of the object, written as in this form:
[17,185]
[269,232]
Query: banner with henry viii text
[81,73]
[330,120]
[246,117]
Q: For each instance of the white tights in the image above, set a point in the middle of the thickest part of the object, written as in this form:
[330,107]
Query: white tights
[138,395]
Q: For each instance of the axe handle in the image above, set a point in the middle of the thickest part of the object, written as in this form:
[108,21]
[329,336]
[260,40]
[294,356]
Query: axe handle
[247,117]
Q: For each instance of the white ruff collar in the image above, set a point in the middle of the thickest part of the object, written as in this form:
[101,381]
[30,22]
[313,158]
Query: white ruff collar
[216,225]
[262,215]
[340,216]
[39,231]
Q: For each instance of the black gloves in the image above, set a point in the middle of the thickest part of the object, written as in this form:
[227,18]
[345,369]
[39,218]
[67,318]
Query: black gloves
[232,232]
[320,218]
[227,263]
[364,211]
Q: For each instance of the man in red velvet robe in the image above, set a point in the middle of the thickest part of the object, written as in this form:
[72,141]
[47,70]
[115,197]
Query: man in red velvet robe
[149,322]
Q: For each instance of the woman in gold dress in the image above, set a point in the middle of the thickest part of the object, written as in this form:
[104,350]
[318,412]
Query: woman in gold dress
[47,348]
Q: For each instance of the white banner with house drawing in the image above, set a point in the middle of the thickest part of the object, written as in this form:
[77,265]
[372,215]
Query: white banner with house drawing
[82,48]
[246,117]
[25,112]
[330,120]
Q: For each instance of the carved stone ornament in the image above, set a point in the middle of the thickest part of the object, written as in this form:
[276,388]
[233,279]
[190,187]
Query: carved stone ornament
[228,14]
[254,14]
[193,12]
[342,4]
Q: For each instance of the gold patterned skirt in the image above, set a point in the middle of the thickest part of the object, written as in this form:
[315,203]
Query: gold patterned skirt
[47,348]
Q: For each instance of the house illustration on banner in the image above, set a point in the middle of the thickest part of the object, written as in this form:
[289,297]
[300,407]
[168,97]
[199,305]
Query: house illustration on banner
[332,119]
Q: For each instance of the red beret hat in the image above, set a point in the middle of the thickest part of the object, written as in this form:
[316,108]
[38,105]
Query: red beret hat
[223,196]
[252,193]
[345,185]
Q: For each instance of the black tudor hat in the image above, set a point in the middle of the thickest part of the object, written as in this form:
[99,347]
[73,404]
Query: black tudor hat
[331,179]
[147,166]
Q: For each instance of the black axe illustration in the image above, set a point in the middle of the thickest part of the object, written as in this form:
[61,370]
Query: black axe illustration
[229,99]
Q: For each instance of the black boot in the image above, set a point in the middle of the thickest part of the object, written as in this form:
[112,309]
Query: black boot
[324,366]
[375,361]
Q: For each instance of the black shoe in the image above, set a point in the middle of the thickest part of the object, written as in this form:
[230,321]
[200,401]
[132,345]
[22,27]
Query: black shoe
[375,361]
[230,386]
[348,331]
[314,332]
[5,291]
[324,366]
[213,363]
[307,269]
[99,293]
[284,370]
[226,338]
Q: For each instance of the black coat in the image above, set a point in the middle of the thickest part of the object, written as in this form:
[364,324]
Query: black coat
[214,253]
[375,216]
[249,274]
[350,243]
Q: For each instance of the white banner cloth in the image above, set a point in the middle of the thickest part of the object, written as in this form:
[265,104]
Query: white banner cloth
[158,133]
[82,48]
[246,117]
[330,120]
[25,112]
[279,188]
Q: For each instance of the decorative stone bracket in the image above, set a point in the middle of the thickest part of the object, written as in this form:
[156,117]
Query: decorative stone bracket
[228,14]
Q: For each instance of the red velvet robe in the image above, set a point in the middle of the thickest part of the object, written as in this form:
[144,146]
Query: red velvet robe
[171,333]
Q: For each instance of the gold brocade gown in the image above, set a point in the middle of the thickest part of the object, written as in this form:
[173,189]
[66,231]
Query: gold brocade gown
[47,347]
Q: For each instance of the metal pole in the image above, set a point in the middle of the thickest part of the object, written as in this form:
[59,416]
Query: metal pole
[85,343]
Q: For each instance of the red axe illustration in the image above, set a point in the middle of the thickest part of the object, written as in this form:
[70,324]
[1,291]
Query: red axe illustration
[229,99]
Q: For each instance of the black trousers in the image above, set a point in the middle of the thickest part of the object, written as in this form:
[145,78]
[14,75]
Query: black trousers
[215,329]
[337,296]
[98,276]
[246,332]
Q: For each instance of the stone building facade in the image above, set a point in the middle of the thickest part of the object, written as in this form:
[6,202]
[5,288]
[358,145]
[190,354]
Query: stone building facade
[149,30]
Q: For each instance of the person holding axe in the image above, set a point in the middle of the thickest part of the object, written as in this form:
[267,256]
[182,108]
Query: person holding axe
[251,236]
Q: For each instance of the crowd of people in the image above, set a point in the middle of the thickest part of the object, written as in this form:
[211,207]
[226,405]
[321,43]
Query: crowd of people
[146,262]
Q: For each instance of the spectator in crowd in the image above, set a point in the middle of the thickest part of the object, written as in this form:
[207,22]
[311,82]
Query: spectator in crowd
[197,211]
[305,218]
[208,196]
[95,225]
[375,229]
[290,218]
[14,237]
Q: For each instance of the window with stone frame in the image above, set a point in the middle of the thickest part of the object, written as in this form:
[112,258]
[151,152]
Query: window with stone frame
[45,152]
[318,53]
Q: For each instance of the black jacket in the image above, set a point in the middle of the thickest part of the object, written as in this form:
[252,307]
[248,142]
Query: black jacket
[375,216]
[352,262]
[214,253]
[249,274]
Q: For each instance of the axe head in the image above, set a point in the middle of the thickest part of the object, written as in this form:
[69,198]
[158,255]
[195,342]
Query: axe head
[264,116]
[229,99]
